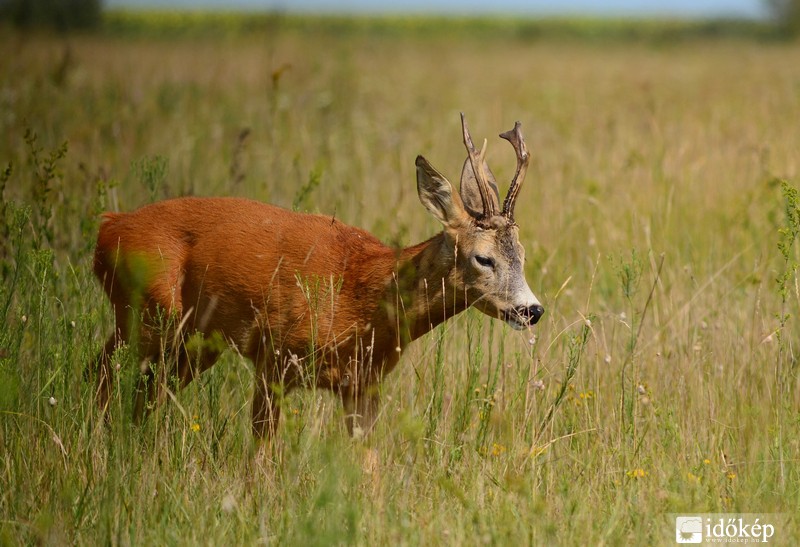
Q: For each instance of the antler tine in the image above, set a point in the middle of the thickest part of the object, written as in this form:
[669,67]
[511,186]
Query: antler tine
[514,136]
[476,159]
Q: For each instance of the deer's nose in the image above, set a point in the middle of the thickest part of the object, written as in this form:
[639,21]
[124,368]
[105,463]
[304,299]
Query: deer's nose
[531,313]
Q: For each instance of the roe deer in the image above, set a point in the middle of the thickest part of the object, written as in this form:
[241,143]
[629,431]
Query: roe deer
[310,300]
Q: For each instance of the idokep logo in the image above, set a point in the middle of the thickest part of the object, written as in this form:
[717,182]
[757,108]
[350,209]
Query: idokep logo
[726,528]
[689,529]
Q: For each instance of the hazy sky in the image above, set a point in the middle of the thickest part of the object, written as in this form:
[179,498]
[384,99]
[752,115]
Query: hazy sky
[681,8]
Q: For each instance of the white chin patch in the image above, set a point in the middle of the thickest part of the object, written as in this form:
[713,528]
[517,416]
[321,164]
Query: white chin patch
[514,323]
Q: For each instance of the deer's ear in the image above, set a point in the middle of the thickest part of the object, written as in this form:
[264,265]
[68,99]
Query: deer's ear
[436,194]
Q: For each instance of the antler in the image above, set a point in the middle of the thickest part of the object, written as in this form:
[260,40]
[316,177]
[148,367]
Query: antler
[514,136]
[477,161]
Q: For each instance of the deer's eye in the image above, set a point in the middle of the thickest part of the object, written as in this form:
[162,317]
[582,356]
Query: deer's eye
[485,261]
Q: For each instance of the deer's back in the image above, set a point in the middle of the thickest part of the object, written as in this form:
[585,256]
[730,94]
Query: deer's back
[242,267]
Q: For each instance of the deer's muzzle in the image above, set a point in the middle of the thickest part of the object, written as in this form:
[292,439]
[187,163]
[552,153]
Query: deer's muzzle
[523,316]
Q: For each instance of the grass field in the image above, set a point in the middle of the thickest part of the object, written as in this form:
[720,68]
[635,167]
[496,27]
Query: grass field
[660,237]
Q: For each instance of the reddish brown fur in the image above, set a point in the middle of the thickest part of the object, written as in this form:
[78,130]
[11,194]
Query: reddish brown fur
[235,267]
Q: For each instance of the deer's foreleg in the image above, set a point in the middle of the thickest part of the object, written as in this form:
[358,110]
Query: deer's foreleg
[361,408]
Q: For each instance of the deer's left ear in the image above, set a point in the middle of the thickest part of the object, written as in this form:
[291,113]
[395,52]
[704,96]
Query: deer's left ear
[436,194]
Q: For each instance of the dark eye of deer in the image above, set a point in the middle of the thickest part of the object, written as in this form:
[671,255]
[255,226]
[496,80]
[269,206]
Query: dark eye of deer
[485,261]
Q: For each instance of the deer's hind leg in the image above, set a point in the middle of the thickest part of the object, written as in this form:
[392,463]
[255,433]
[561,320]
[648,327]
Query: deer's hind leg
[180,368]
[154,362]
[161,346]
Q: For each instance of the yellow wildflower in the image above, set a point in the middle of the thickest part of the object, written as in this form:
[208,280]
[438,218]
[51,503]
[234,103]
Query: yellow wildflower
[637,473]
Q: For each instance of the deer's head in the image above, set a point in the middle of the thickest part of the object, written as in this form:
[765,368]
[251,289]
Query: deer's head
[484,239]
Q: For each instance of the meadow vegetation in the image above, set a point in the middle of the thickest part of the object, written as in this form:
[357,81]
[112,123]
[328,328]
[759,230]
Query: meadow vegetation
[660,218]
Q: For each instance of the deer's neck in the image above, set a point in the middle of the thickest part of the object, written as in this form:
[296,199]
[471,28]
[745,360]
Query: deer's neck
[421,294]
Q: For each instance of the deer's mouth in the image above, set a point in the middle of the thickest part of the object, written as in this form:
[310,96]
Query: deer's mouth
[514,320]
[523,316]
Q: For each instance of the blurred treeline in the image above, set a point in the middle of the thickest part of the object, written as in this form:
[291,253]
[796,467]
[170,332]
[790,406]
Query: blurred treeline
[55,14]
[63,15]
